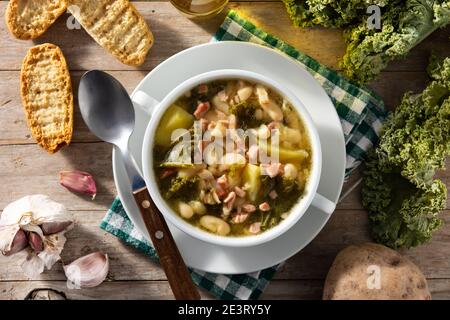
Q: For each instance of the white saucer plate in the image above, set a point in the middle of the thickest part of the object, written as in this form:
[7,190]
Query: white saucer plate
[286,71]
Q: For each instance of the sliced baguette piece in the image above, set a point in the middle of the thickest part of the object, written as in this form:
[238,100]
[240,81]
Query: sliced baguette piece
[28,19]
[46,92]
[117,26]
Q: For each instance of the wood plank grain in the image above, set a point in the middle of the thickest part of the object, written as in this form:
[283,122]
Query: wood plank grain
[14,130]
[156,290]
[126,263]
[31,163]
[312,289]
[174,32]
[110,290]
[28,169]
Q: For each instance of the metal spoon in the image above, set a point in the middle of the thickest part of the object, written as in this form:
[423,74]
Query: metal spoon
[108,112]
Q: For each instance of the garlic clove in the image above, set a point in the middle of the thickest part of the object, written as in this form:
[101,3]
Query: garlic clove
[78,181]
[32,266]
[19,243]
[35,242]
[54,227]
[7,235]
[88,271]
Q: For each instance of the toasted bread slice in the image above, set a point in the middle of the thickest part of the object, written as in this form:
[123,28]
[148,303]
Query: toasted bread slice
[116,26]
[46,92]
[28,19]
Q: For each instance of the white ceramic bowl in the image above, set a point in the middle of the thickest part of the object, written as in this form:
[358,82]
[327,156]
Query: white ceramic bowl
[310,197]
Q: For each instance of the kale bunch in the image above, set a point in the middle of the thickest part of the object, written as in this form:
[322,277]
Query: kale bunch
[329,13]
[404,24]
[400,192]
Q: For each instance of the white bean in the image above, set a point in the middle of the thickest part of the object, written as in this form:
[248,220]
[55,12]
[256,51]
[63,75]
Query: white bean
[291,135]
[215,225]
[198,207]
[219,104]
[187,172]
[290,171]
[273,110]
[244,93]
[185,210]
[263,132]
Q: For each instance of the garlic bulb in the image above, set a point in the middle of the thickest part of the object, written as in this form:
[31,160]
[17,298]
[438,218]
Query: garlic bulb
[37,224]
[88,271]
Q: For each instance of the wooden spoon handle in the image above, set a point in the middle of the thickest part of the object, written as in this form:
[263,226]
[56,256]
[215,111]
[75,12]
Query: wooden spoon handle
[170,258]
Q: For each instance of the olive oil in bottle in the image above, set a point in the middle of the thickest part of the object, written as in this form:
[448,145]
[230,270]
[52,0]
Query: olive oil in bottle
[199,8]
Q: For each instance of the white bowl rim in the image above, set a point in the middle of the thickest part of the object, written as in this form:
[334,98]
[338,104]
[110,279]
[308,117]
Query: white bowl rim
[149,175]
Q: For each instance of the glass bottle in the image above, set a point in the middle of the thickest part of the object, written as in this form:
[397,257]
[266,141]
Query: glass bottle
[199,8]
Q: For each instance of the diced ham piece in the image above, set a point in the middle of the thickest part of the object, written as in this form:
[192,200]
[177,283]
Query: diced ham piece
[255,228]
[220,191]
[273,194]
[222,181]
[239,218]
[264,206]
[202,89]
[167,172]
[273,125]
[202,108]
[272,170]
[229,200]
[239,192]
[249,208]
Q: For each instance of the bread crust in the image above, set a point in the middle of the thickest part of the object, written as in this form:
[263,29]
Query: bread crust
[46,92]
[117,26]
[29,19]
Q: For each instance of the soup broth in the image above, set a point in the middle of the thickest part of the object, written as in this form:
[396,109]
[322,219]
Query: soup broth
[240,162]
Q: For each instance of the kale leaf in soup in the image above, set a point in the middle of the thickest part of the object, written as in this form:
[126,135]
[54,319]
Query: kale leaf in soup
[233,190]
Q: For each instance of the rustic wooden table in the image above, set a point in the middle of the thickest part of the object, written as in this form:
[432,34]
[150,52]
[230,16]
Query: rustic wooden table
[27,169]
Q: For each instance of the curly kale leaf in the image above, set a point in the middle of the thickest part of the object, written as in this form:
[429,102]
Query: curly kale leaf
[400,213]
[329,13]
[399,191]
[416,138]
[245,115]
[404,25]
[180,187]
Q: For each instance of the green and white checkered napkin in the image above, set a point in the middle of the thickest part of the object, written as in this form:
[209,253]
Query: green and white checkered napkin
[361,113]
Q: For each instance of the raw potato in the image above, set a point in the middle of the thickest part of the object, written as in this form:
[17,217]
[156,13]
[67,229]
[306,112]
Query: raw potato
[174,118]
[352,271]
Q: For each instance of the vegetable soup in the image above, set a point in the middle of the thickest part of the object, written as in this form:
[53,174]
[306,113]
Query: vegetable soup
[232,157]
